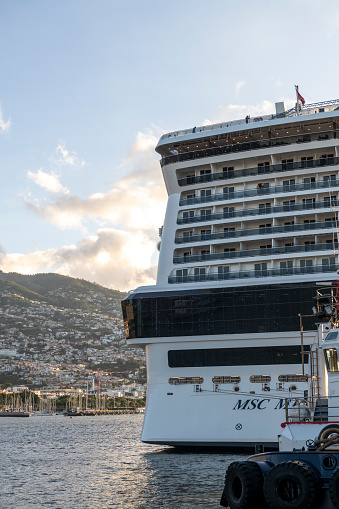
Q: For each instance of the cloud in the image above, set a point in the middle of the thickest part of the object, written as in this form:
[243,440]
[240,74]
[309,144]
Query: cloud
[4,125]
[240,84]
[65,157]
[110,258]
[48,181]
[120,226]
[135,202]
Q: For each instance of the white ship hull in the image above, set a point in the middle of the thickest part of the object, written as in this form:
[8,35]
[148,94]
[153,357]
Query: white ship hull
[249,234]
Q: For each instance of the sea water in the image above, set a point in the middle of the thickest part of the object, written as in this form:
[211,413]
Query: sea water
[60,462]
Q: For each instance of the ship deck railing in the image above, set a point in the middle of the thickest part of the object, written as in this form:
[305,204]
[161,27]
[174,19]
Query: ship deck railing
[320,225]
[288,188]
[245,253]
[244,274]
[248,145]
[260,211]
[261,170]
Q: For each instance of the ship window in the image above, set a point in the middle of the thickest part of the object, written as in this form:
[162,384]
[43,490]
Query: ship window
[331,359]
[228,211]
[330,200]
[287,164]
[228,190]
[251,356]
[329,261]
[260,379]
[307,161]
[181,380]
[288,183]
[212,311]
[292,378]
[331,336]
[232,379]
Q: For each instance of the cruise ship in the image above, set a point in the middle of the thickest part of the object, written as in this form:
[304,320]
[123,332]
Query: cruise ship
[250,234]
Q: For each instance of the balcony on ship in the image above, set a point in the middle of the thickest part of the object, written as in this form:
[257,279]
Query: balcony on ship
[244,141]
[267,208]
[204,174]
[234,253]
[259,270]
[286,187]
[264,229]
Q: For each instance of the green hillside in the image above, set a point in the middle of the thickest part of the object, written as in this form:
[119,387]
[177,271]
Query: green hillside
[57,290]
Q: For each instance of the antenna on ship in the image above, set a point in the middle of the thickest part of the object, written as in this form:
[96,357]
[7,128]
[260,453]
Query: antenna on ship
[300,100]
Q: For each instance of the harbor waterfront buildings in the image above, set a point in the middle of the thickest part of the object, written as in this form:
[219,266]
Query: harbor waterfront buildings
[250,233]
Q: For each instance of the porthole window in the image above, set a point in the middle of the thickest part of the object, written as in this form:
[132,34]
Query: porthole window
[260,379]
[226,379]
[292,378]
[181,380]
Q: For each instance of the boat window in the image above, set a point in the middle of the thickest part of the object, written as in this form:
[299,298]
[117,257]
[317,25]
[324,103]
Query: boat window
[260,379]
[292,378]
[252,356]
[226,379]
[331,358]
[331,336]
[181,380]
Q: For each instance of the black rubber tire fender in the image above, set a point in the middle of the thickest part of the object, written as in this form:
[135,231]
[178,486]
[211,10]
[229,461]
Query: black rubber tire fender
[244,486]
[333,488]
[291,485]
[327,431]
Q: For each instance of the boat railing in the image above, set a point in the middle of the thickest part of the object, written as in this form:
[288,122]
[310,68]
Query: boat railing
[244,274]
[259,211]
[245,253]
[260,191]
[265,230]
[259,170]
[248,145]
[312,409]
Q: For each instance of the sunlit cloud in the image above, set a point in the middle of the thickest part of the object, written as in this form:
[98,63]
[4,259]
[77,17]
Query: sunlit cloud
[4,124]
[48,181]
[119,227]
[110,258]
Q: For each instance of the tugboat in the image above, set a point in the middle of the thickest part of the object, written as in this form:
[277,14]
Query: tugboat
[304,473]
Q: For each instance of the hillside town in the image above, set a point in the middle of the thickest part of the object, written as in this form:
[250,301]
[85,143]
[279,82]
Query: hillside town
[61,349]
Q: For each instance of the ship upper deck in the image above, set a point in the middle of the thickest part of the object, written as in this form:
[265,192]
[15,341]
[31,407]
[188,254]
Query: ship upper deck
[248,133]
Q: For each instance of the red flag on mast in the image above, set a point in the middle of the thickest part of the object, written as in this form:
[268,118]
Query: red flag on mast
[300,97]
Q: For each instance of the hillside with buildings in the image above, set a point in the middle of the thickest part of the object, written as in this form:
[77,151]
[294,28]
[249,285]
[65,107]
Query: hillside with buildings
[57,331]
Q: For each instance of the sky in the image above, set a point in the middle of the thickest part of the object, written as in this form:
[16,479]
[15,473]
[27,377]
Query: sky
[88,87]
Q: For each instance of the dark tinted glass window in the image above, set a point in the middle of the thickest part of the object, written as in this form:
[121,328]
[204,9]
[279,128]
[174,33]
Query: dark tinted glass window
[254,356]
[253,309]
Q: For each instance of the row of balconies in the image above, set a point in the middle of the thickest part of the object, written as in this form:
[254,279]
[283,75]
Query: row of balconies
[231,148]
[266,229]
[258,270]
[261,252]
[229,172]
[196,216]
[260,189]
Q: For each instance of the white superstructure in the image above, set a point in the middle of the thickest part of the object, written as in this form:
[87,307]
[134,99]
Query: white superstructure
[250,229]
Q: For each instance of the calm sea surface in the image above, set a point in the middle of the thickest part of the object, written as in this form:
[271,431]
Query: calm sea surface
[99,462]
